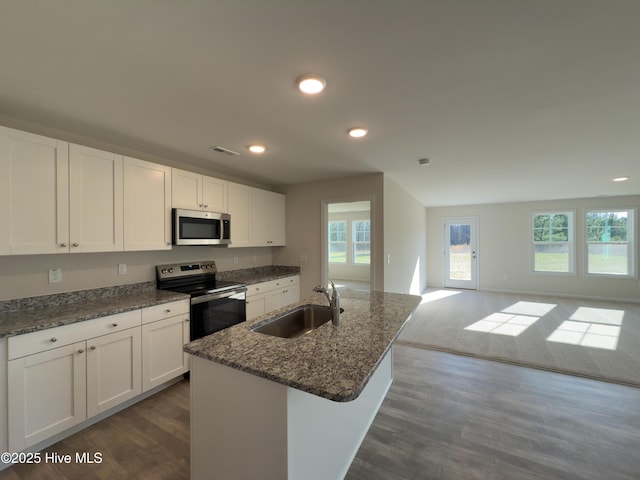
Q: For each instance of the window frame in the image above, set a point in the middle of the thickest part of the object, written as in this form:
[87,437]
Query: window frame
[631,242]
[345,241]
[571,242]
[354,242]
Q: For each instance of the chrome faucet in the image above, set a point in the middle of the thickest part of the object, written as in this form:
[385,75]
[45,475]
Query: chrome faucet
[333,299]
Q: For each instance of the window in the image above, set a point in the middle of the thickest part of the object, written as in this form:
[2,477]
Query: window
[553,245]
[338,242]
[610,242]
[361,241]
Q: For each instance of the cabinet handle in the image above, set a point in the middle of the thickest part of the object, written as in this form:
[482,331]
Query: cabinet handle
[54,339]
[80,351]
[206,206]
[75,244]
[63,245]
[186,320]
[168,310]
[93,347]
[114,324]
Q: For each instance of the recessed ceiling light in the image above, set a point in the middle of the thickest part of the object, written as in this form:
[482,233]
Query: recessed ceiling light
[257,148]
[621,179]
[357,132]
[311,84]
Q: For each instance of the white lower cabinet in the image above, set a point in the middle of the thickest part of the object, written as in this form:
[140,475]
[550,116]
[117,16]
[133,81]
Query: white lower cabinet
[59,377]
[165,331]
[113,370]
[268,296]
[47,394]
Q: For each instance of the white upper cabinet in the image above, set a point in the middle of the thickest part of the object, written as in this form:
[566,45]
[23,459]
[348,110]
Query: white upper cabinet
[198,192]
[257,217]
[95,200]
[58,197]
[34,193]
[276,219]
[147,205]
[239,211]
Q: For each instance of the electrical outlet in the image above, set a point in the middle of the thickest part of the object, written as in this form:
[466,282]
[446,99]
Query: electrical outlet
[235,260]
[255,259]
[304,256]
[122,269]
[55,275]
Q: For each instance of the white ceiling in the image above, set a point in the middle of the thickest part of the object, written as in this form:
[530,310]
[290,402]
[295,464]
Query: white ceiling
[512,100]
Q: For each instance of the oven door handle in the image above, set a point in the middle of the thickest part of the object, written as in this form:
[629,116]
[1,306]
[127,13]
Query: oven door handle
[216,296]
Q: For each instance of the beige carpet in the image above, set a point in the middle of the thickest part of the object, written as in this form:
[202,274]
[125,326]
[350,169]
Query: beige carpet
[595,339]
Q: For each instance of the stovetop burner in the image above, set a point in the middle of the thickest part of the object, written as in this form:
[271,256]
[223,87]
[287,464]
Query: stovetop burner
[195,279]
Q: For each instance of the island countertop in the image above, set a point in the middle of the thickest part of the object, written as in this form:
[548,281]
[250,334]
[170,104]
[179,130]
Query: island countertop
[333,361]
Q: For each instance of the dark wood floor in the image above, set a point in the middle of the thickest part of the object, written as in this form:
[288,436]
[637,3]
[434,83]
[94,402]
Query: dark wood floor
[454,417]
[445,417]
[149,440]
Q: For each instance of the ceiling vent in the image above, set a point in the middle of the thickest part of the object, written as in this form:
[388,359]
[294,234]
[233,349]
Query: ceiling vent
[226,151]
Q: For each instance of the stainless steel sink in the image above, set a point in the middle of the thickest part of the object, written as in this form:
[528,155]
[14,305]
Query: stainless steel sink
[299,321]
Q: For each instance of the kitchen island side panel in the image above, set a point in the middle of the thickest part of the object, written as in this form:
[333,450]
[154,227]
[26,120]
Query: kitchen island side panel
[324,436]
[238,424]
[246,427]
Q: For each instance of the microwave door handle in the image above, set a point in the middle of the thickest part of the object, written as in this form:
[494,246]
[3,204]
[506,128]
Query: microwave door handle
[216,296]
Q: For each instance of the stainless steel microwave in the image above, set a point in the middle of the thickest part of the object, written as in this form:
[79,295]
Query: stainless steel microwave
[196,227]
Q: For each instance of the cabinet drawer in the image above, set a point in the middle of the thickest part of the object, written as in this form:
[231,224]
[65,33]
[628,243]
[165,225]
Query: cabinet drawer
[165,310]
[285,282]
[258,288]
[43,340]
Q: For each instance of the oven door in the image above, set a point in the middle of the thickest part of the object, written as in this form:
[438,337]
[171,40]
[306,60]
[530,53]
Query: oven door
[217,311]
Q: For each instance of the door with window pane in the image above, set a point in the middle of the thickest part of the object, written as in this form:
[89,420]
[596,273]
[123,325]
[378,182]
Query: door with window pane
[461,253]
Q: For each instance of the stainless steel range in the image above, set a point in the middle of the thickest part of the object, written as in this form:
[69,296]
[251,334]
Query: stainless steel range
[215,304]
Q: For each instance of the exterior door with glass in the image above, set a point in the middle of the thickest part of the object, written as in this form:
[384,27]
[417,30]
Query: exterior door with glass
[461,253]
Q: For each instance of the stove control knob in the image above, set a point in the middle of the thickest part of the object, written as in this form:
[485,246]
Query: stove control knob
[171,270]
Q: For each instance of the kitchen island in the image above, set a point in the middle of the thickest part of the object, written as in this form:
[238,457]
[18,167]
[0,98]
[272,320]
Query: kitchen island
[293,408]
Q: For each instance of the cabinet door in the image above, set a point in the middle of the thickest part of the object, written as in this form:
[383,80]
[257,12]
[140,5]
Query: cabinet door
[3,398]
[292,294]
[34,193]
[258,217]
[47,394]
[95,200]
[147,205]
[214,195]
[114,372]
[256,306]
[276,221]
[239,211]
[186,189]
[162,354]
[275,300]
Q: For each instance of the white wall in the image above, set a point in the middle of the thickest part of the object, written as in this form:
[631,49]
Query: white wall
[404,241]
[504,249]
[304,225]
[27,275]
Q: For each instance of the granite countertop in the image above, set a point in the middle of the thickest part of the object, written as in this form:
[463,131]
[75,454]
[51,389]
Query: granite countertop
[258,274]
[334,362]
[51,311]
[30,314]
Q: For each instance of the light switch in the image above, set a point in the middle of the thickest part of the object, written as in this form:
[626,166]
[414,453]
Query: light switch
[122,269]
